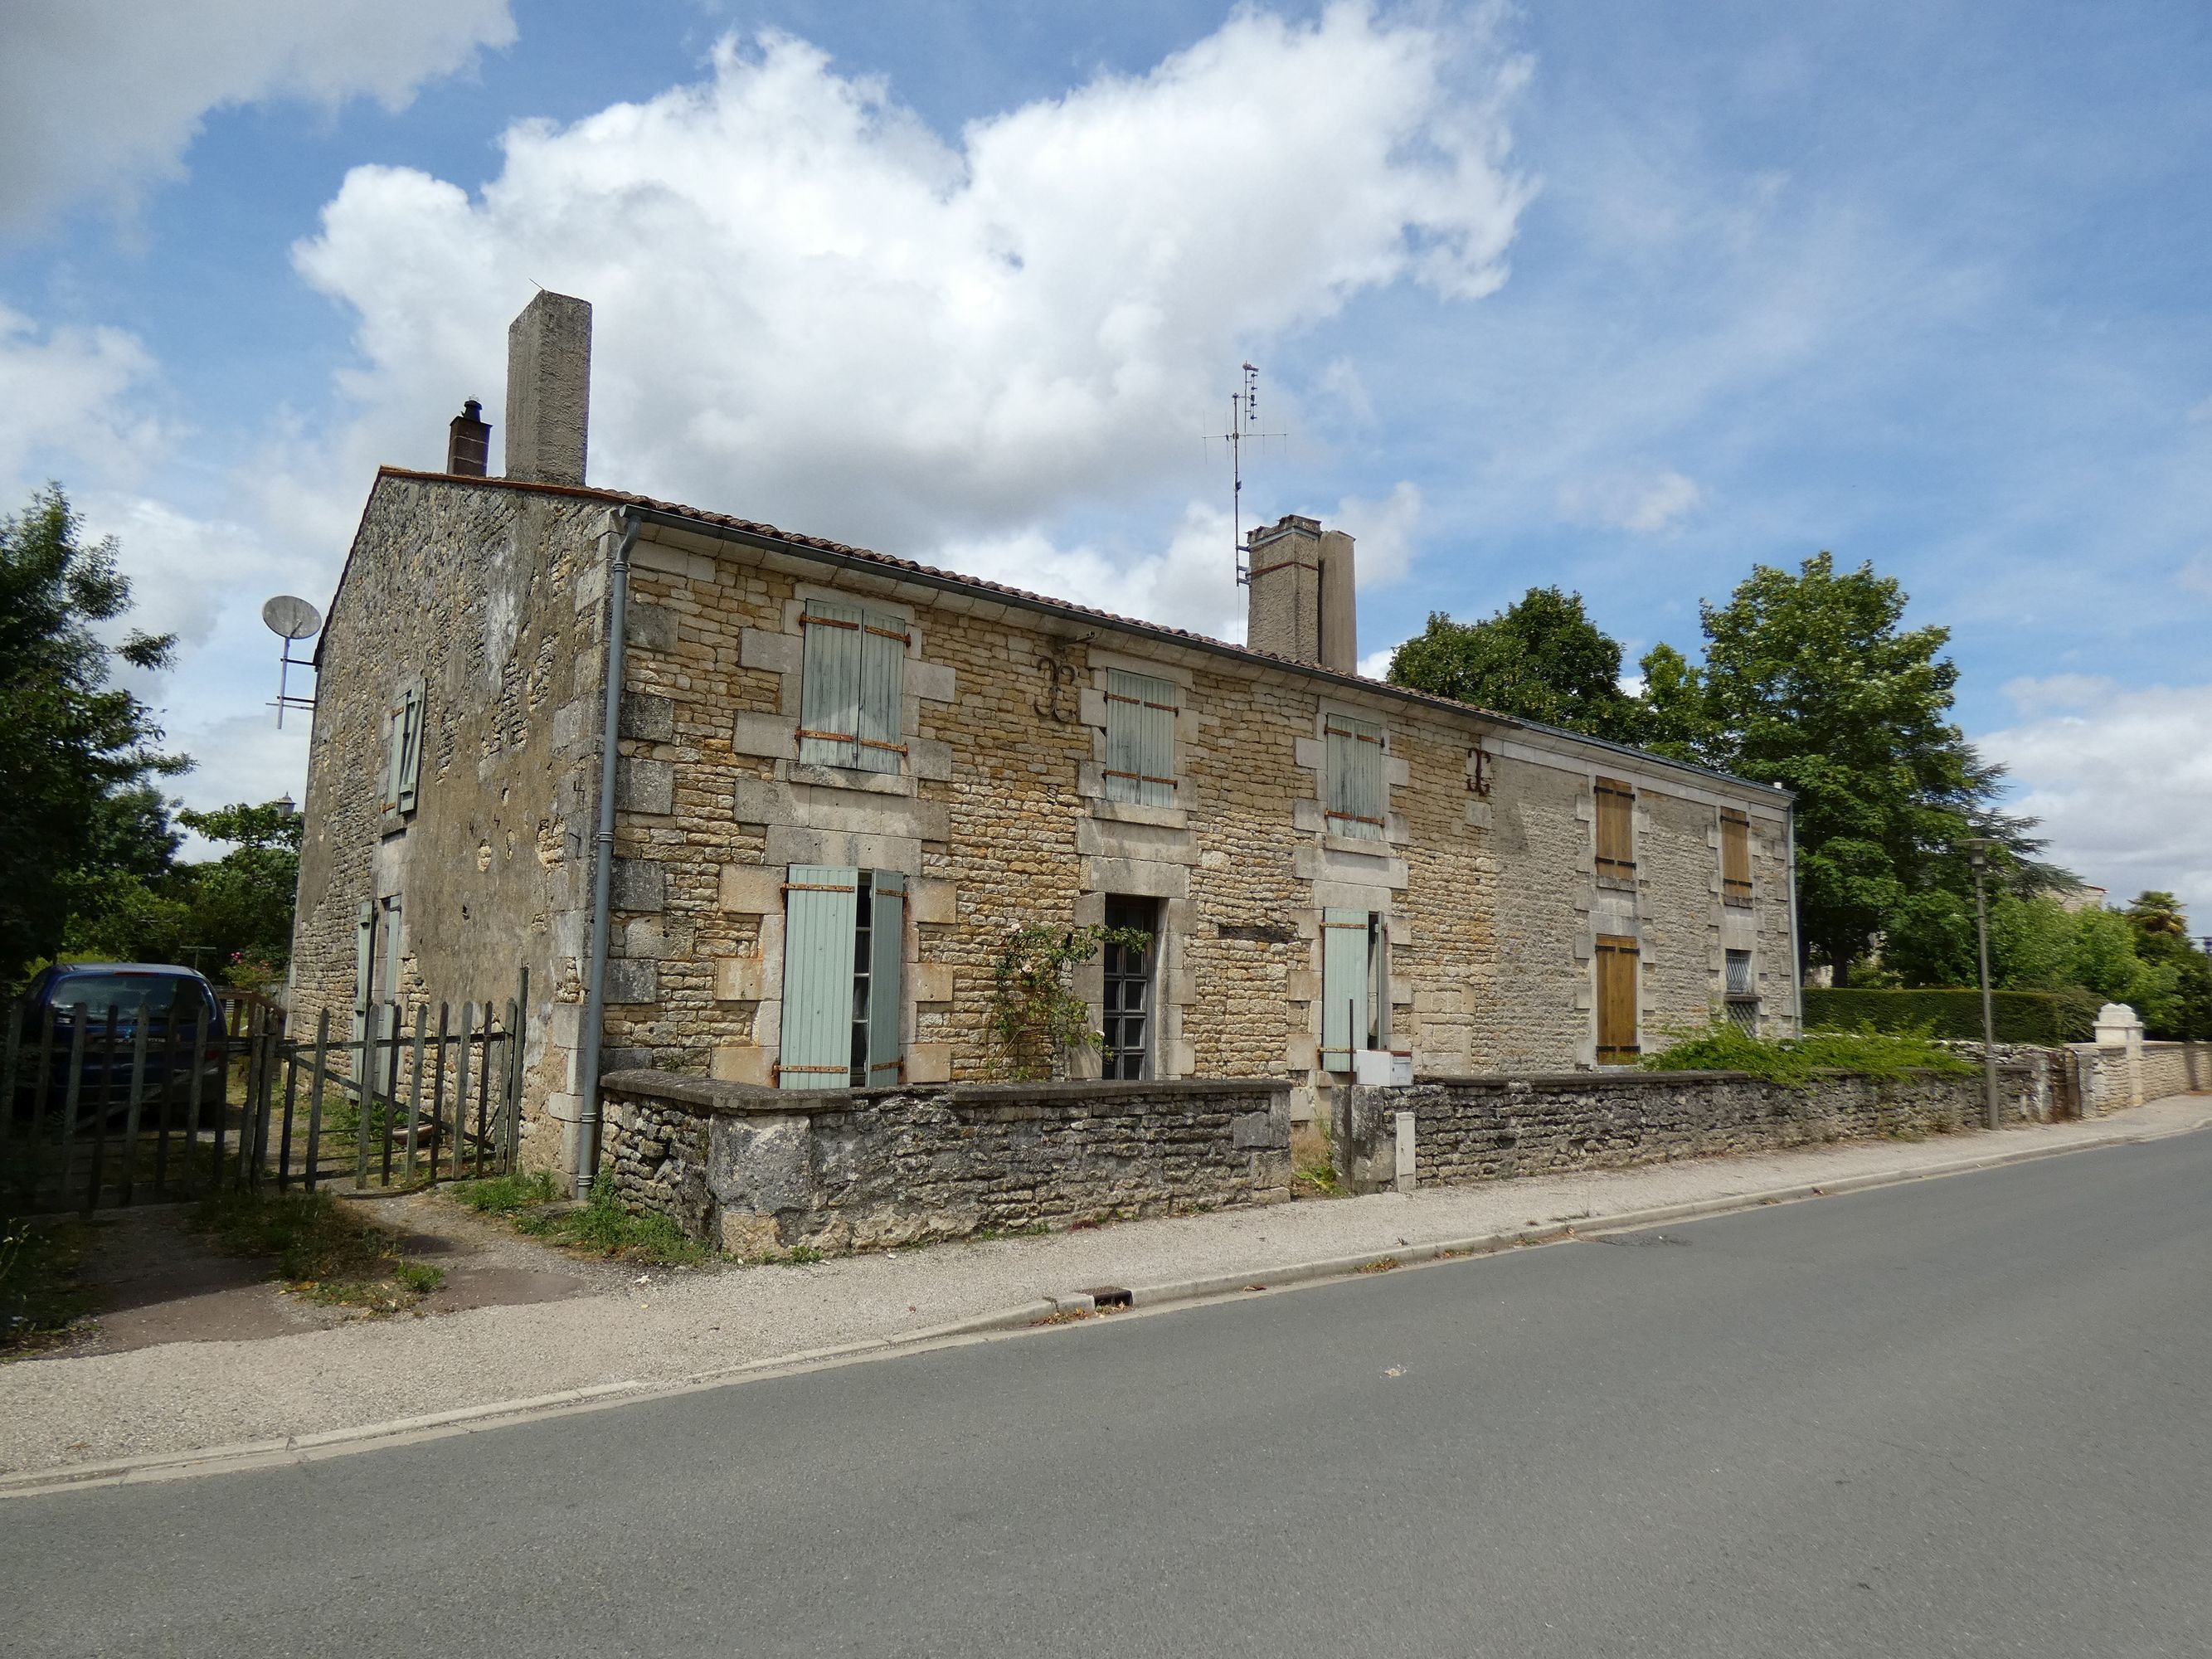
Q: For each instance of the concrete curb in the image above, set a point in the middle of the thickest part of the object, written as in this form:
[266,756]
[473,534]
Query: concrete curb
[1021,1317]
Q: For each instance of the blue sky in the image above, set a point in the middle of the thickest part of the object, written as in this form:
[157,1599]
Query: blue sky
[1621,297]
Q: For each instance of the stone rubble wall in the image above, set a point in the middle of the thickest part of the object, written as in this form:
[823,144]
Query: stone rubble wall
[2111,1083]
[755,1171]
[1486,1128]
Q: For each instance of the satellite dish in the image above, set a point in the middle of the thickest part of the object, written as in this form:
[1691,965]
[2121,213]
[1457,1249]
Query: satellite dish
[289,618]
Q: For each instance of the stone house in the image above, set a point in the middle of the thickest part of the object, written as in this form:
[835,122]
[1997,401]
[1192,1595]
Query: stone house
[839,779]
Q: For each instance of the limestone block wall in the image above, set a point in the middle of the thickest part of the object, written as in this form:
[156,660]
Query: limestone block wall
[754,1170]
[1494,1127]
[2112,1081]
[492,595]
[998,817]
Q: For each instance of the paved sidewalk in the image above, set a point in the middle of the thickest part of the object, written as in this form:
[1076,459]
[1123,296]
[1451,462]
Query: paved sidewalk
[667,1326]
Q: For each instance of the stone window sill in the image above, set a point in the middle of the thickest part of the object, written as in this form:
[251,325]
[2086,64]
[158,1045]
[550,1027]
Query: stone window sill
[849,777]
[1129,812]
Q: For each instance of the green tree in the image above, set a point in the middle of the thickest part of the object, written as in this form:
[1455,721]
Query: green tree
[2158,916]
[1810,680]
[75,748]
[1541,659]
[241,903]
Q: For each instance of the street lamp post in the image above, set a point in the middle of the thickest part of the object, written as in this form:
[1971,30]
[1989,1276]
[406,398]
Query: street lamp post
[1977,856]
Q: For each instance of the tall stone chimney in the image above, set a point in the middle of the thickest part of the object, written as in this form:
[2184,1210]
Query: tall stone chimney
[1302,603]
[548,390]
[468,442]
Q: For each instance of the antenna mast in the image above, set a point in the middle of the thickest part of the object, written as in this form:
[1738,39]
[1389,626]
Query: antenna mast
[1244,425]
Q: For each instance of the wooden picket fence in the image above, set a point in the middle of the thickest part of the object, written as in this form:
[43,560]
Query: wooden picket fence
[401,1096]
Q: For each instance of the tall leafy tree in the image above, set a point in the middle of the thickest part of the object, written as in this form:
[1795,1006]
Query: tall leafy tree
[241,903]
[73,746]
[1810,680]
[1541,658]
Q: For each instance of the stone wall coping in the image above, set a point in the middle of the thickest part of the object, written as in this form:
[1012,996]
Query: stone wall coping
[1610,1079]
[713,1095]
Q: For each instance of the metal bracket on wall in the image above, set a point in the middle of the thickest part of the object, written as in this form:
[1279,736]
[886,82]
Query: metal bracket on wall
[1060,677]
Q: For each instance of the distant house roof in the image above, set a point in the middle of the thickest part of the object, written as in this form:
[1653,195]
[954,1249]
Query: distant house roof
[767,535]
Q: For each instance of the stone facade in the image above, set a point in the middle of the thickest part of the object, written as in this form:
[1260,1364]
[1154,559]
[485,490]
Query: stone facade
[997,814]
[489,599]
[758,1170]
[1485,1128]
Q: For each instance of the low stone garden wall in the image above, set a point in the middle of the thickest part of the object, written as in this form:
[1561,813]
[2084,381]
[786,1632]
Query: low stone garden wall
[1483,1128]
[753,1170]
[2115,1078]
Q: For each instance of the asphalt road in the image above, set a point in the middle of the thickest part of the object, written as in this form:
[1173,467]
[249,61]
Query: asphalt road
[1968,1415]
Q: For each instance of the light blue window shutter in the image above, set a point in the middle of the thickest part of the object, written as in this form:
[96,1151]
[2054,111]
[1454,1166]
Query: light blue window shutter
[820,912]
[1343,987]
[886,957]
[364,959]
[409,765]
[1140,733]
[880,743]
[1354,763]
[829,684]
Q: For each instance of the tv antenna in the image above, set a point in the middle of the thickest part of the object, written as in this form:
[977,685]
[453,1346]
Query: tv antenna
[290,619]
[1243,427]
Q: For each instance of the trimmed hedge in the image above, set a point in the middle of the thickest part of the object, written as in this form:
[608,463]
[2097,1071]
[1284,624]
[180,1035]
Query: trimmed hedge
[2046,1017]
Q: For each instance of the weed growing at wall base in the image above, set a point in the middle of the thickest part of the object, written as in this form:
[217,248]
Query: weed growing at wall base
[1798,1062]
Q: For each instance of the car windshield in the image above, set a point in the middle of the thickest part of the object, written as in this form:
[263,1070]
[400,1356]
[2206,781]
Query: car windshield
[128,994]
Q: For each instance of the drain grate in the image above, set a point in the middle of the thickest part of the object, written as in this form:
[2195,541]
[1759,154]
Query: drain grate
[1108,1296]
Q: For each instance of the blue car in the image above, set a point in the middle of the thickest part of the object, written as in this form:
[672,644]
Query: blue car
[150,993]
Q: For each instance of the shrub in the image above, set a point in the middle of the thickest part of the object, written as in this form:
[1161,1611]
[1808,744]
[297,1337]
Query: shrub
[1798,1062]
[2045,1016]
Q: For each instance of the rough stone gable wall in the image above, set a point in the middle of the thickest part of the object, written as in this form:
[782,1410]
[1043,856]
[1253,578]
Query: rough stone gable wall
[493,597]
[1539,1018]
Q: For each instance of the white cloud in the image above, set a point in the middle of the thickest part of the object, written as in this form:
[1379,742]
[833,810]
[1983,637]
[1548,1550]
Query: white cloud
[1376,664]
[1652,503]
[70,397]
[1383,532]
[2123,786]
[811,310]
[103,96]
[2056,691]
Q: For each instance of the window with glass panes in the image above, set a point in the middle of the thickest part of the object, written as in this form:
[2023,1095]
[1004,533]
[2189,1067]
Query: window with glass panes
[1743,992]
[1127,1014]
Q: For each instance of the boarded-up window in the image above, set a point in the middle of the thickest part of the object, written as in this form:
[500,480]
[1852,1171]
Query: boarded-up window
[1616,829]
[843,939]
[402,760]
[1346,964]
[1735,857]
[1141,739]
[1616,999]
[850,679]
[1356,796]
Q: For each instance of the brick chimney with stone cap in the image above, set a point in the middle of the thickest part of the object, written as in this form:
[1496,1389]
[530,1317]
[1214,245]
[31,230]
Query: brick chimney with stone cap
[1302,603]
[548,390]
[468,442]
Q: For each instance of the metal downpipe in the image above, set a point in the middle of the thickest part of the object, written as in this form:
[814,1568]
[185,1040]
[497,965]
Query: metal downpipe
[602,859]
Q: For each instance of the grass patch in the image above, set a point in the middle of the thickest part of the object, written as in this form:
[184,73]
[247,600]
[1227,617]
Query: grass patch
[507,1194]
[42,1299]
[600,1227]
[1313,1167]
[1798,1062]
[322,1251]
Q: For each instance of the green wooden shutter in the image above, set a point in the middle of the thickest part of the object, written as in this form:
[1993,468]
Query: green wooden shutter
[886,960]
[1343,987]
[1140,733]
[877,731]
[820,912]
[364,959]
[829,684]
[409,767]
[1353,761]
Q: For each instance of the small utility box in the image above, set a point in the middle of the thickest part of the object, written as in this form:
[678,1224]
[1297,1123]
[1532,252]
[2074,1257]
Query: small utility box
[1383,1067]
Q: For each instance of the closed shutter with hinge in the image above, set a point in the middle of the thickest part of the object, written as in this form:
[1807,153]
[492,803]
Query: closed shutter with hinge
[1616,999]
[1616,828]
[1343,944]
[886,958]
[364,962]
[852,682]
[402,760]
[1353,759]
[1140,716]
[820,910]
[1735,857]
